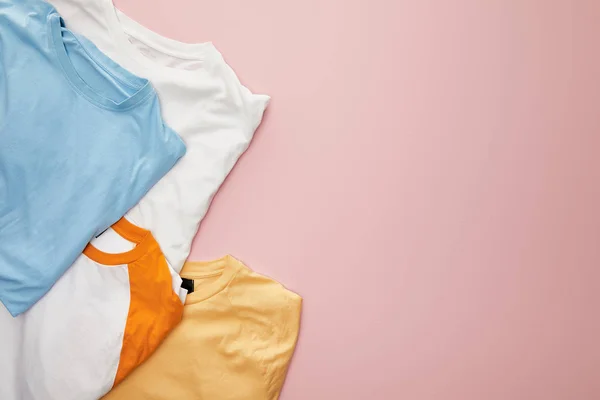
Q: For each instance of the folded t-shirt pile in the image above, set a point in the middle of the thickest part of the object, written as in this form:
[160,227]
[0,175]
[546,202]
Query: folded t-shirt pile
[105,177]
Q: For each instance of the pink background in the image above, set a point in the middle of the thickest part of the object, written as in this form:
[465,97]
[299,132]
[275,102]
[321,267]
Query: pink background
[427,177]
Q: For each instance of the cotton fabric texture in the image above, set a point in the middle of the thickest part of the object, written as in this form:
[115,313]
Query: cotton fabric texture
[202,99]
[81,141]
[235,341]
[102,319]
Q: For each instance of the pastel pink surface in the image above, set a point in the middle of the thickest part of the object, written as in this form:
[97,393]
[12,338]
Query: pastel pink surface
[427,178]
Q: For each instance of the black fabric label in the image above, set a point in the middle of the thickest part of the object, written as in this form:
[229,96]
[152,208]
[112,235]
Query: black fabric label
[188,284]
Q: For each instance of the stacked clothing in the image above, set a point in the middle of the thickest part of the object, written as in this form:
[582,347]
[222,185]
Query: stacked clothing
[113,142]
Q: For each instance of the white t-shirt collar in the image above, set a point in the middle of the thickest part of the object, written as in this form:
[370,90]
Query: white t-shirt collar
[121,27]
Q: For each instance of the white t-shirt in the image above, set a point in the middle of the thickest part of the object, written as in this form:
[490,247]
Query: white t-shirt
[201,99]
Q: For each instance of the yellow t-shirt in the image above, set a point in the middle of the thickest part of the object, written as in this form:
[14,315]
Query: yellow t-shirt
[235,341]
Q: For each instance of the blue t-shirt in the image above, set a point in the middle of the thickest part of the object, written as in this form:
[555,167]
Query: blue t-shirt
[81,141]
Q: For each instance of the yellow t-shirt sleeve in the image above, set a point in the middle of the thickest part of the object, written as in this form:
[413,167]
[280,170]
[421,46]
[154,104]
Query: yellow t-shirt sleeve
[276,330]
[277,357]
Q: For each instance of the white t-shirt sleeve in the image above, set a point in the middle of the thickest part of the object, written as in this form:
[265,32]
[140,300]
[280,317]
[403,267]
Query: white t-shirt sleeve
[255,105]
[249,107]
